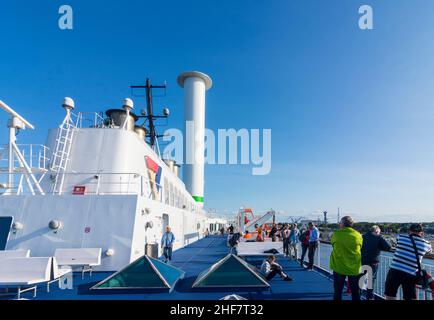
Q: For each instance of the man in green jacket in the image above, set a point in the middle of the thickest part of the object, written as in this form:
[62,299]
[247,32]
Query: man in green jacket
[346,258]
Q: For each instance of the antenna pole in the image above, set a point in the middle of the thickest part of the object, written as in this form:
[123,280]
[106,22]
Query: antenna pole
[149,109]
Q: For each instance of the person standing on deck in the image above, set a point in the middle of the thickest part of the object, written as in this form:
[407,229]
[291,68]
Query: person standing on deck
[167,244]
[313,244]
[406,264]
[304,240]
[260,237]
[285,238]
[293,240]
[233,240]
[373,244]
[346,258]
[273,233]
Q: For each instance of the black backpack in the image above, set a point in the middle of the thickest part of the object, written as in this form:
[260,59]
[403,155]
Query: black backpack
[302,237]
[234,239]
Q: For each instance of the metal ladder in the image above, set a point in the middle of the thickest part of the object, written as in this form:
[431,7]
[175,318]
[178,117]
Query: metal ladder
[61,153]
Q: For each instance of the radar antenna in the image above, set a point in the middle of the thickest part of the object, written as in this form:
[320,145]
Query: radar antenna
[15,123]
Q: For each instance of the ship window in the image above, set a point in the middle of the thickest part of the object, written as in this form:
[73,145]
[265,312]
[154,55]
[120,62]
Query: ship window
[231,271]
[171,194]
[144,273]
[174,196]
[166,191]
[178,199]
[5,227]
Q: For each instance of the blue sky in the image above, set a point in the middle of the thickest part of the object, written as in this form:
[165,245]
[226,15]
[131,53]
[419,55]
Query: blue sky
[351,111]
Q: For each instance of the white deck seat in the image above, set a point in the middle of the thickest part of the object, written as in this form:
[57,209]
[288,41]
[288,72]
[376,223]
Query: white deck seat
[83,257]
[258,248]
[25,272]
[6,254]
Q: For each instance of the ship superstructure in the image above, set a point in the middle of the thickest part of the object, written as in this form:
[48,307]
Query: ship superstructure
[99,182]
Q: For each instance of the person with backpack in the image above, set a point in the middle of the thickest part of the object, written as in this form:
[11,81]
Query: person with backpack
[405,270]
[304,240]
[233,240]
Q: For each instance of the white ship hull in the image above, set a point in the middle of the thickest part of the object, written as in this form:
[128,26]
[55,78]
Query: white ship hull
[116,222]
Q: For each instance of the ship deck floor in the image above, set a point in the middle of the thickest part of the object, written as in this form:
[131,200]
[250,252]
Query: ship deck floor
[193,259]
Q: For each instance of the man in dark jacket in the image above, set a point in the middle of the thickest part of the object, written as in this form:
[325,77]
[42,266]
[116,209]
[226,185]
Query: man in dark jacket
[373,244]
[273,233]
[304,240]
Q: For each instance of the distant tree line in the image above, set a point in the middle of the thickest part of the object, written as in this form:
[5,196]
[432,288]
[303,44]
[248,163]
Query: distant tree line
[363,227]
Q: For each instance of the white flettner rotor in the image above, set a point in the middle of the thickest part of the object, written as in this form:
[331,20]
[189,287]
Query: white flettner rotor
[195,85]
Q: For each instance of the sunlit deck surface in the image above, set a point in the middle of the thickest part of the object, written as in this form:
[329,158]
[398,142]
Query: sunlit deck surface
[193,259]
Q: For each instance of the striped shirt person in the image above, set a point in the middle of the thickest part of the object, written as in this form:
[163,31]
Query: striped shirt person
[405,256]
[404,266]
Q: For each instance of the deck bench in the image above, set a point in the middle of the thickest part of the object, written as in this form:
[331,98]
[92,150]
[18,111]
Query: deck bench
[86,258]
[25,273]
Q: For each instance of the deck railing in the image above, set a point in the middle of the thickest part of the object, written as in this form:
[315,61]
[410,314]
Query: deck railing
[108,184]
[88,119]
[94,183]
[36,156]
[322,262]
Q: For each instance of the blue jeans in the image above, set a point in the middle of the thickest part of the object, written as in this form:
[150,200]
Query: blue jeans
[233,250]
[311,253]
[167,253]
[303,253]
[286,247]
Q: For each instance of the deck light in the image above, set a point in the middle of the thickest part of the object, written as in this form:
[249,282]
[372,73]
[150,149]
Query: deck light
[17,226]
[55,225]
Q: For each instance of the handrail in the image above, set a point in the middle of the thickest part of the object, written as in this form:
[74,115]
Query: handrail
[322,260]
[128,183]
[36,155]
[429,256]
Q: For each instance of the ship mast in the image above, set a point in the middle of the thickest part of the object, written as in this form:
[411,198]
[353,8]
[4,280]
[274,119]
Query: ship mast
[149,115]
